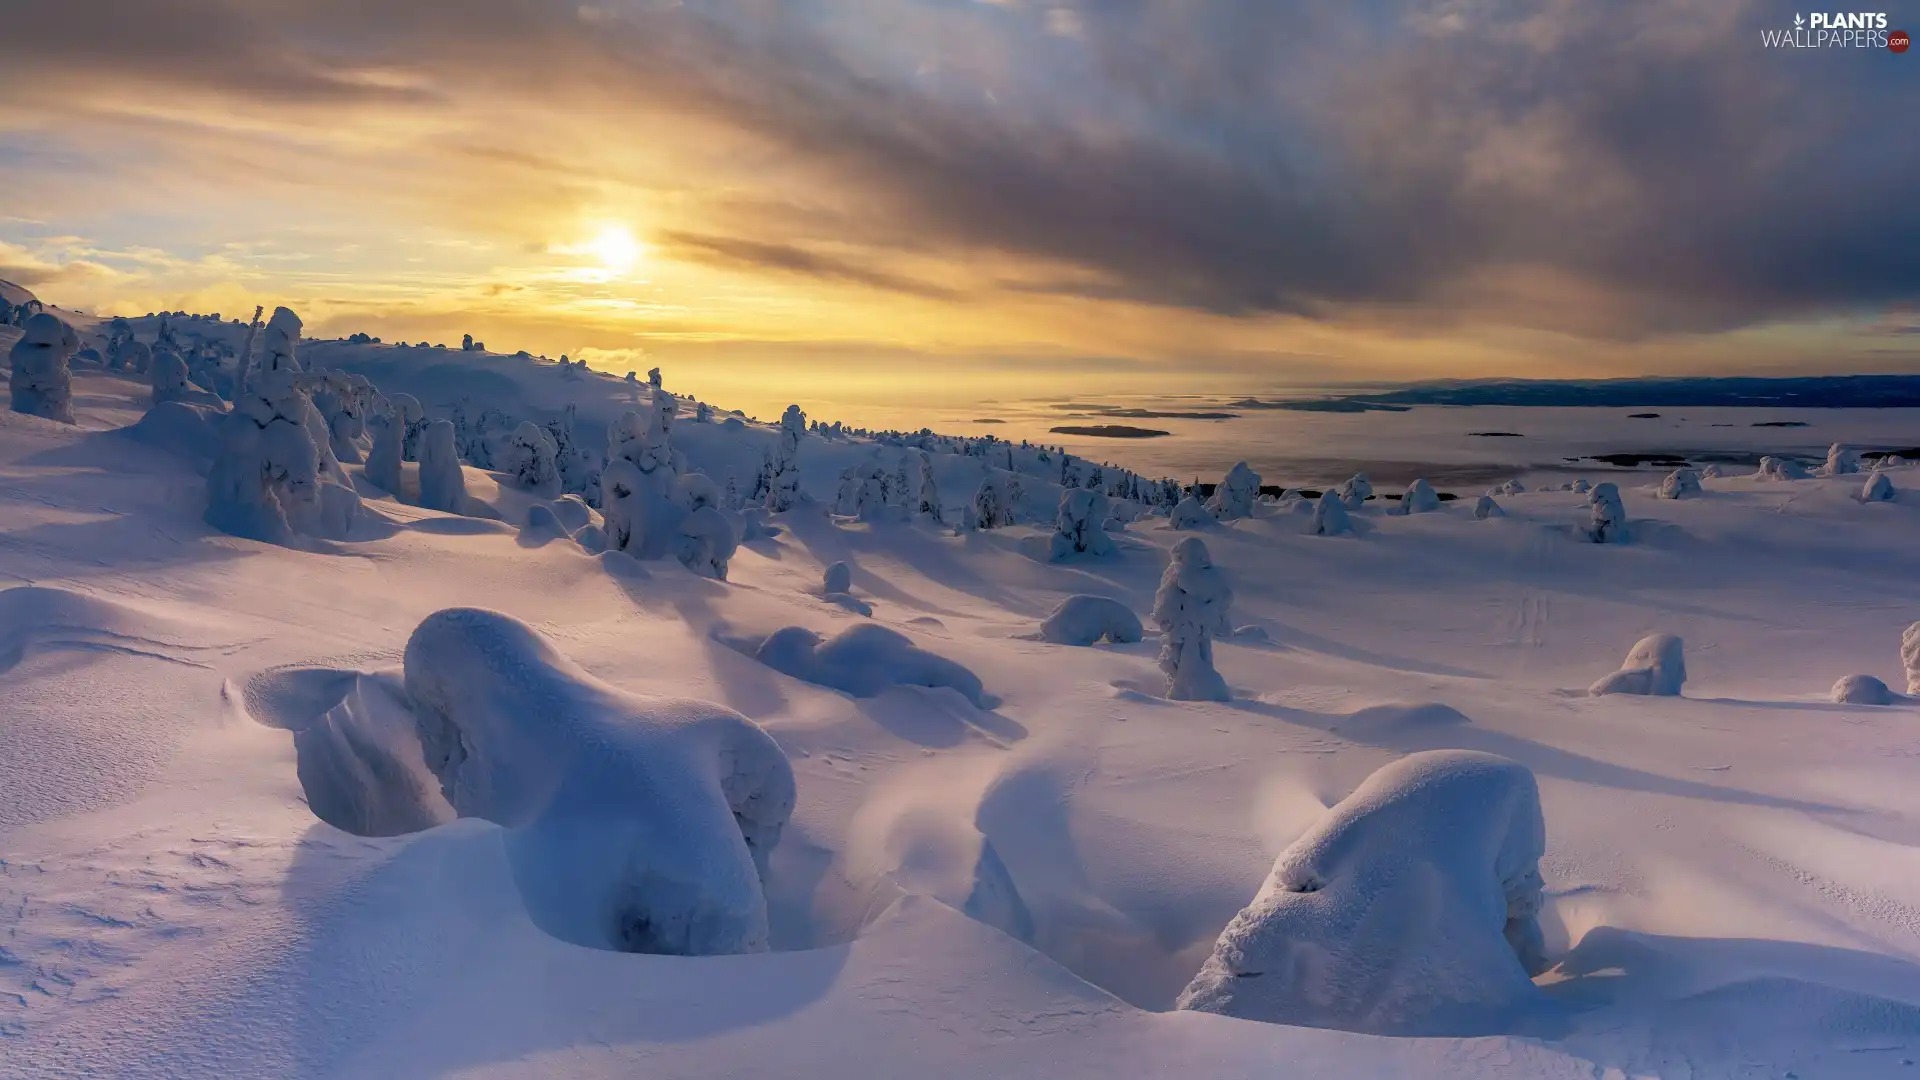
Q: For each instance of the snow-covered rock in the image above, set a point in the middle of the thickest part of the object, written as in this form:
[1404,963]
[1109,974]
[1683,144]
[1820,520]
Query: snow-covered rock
[1233,497]
[1863,690]
[1411,907]
[1607,515]
[1330,516]
[41,383]
[1779,468]
[1086,620]
[864,660]
[1191,607]
[633,823]
[1080,527]
[1681,484]
[1656,667]
[1877,489]
[443,486]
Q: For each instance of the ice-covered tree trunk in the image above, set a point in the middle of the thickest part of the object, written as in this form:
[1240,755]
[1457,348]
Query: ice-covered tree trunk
[1080,526]
[443,486]
[41,383]
[1191,608]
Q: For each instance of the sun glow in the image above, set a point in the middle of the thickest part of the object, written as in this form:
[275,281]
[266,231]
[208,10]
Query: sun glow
[616,249]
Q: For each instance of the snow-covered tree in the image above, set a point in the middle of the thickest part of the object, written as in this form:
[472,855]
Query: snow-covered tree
[443,486]
[1779,468]
[1487,508]
[1656,667]
[1188,513]
[1710,471]
[413,421]
[1515,487]
[1910,657]
[929,498]
[1608,515]
[707,540]
[168,376]
[991,507]
[41,382]
[653,378]
[1191,608]
[1681,484]
[383,462]
[783,484]
[1414,901]
[1233,496]
[1355,491]
[1877,489]
[1330,516]
[702,413]
[1419,499]
[1842,460]
[531,458]
[1080,526]
[340,402]
[274,476]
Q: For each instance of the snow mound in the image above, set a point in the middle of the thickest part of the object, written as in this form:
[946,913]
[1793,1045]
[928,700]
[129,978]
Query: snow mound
[1086,620]
[1863,690]
[1410,908]
[1656,667]
[633,823]
[1355,491]
[191,431]
[1188,513]
[865,660]
[1379,721]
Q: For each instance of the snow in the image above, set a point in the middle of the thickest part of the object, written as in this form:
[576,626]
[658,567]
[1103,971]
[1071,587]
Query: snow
[1436,857]
[1780,468]
[213,868]
[1877,489]
[1656,667]
[1088,620]
[1419,499]
[1486,507]
[1681,484]
[1189,513]
[633,823]
[40,382]
[864,660]
[443,486]
[1841,460]
[1330,515]
[1863,690]
[1608,515]
[1233,496]
[1080,526]
[1355,491]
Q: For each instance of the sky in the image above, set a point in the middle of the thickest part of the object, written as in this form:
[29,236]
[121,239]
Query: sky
[896,199]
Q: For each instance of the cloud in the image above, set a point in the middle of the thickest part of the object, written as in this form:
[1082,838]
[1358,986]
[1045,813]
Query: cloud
[1611,170]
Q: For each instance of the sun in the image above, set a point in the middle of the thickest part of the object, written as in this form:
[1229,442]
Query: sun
[616,249]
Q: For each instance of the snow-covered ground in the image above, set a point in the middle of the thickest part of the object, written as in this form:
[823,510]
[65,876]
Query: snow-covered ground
[1017,880]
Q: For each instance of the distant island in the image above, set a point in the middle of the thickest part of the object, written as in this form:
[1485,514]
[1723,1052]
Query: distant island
[1496,434]
[1807,392]
[1109,431]
[989,420]
[1338,405]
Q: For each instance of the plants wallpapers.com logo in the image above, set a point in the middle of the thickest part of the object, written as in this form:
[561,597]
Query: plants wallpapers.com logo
[1838,30]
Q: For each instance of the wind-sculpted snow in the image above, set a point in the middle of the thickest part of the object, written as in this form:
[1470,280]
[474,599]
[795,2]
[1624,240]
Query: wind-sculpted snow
[1086,620]
[865,660]
[1410,907]
[1655,667]
[633,823]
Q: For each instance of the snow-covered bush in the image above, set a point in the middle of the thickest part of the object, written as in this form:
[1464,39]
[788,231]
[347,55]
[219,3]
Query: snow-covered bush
[1191,607]
[1411,907]
[783,482]
[1656,667]
[1910,657]
[1842,460]
[1778,468]
[1419,499]
[1681,484]
[1486,508]
[1607,515]
[1357,490]
[41,383]
[1330,516]
[274,476]
[633,823]
[1233,496]
[1877,489]
[864,660]
[1080,527]
[531,459]
[1085,620]
[1863,690]
[383,461]
[442,485]
[168,376]
[1188,513]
